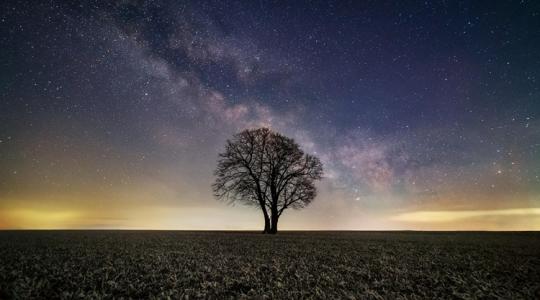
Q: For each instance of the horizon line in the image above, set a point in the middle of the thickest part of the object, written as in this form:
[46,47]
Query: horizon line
[258,231]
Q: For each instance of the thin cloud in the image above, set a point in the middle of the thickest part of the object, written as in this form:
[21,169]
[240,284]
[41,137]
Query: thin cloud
[453,215]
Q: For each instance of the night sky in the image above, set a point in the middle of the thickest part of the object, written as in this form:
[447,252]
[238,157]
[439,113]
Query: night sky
[426,115]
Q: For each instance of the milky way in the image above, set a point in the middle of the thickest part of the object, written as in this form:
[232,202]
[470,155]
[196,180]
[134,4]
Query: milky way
[426,116]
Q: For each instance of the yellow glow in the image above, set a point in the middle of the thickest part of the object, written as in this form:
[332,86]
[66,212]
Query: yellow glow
[144,211]
[450,216]
[62,215]
[40,219]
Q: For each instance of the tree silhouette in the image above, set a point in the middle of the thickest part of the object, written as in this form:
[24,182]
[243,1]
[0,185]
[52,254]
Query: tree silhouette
[268,170]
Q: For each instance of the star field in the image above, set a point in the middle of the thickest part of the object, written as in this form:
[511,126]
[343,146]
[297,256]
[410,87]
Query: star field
[112,114]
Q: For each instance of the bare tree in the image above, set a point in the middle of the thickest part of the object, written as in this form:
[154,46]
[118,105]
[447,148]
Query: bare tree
[263,168]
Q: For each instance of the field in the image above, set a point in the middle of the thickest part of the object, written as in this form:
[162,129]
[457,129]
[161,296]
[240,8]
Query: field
[176,264]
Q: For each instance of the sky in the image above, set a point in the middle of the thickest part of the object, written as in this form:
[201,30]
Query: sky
[424,114]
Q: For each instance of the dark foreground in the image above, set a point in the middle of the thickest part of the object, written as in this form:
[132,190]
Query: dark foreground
[160,264]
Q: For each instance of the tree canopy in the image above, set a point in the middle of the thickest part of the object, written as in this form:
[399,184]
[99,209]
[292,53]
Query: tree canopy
[266,169]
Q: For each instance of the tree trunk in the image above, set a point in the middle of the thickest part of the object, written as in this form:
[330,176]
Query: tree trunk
[274,224]
[266,222]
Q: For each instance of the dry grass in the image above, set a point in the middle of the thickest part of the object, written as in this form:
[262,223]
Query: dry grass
[160,264]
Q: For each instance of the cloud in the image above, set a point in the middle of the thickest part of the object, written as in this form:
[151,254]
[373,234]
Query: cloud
[457,215]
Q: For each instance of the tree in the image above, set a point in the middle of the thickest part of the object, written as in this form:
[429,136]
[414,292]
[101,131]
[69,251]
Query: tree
[268,170]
